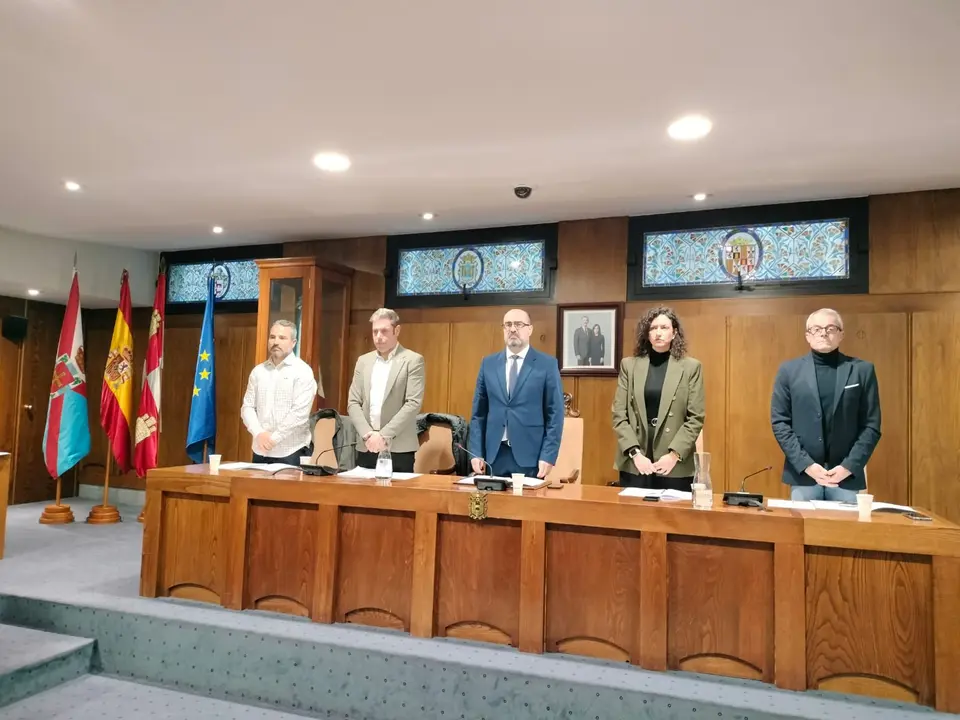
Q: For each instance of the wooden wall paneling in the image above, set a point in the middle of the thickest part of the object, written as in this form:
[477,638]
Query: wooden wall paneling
[10,381]
[375,568]
[31,481]
[470,342]
[366,255]
[935,413]
[721,607]
[883,339]
[6,465]
[591,261]
[235,358]
[707,342]
[651,638]
[599,442]
[533,539]
[915,242]
[432,340]
[281,538]
[196,572]
[870,624]
[423,602]
[757,345]
[179,367]
[790,659]
[593,592]
[484,557]
[946,591]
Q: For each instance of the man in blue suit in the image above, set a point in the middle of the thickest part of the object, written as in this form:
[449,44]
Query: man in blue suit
[517,407]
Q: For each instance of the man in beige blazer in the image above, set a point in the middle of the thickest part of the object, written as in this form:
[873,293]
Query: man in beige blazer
[386,395]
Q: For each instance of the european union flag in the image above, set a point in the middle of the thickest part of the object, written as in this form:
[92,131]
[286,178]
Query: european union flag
[202,430]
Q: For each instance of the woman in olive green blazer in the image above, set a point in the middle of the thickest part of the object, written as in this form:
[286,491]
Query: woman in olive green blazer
[659,407]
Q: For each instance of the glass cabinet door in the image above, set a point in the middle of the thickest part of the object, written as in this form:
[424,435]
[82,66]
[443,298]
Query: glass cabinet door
[286,303]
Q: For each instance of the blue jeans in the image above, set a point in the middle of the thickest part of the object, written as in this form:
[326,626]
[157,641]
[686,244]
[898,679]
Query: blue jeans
[820,492]
[504,465]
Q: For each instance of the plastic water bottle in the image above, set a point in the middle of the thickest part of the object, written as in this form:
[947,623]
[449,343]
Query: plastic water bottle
[384,470]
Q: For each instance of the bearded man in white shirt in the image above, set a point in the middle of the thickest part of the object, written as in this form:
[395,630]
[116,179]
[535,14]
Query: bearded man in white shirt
[279,397]
[386,395]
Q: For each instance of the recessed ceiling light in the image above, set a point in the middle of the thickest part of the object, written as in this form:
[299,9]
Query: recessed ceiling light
[428,216]
[331,161]
[690,127]
[33,293]
[72,186]
[216,230]
[700,197]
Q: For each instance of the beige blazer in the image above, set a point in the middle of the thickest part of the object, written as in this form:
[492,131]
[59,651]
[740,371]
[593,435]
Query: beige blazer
[679,422]
[401,401]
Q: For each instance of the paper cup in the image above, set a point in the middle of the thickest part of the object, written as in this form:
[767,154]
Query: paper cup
[214,461]
[864,505]
[517,483]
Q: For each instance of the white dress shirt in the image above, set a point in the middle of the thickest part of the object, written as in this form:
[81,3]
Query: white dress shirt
[510,354]
[278,400]
[378,386]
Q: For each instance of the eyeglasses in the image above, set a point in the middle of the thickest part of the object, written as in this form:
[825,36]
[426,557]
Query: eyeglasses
[828,330]
[517,325]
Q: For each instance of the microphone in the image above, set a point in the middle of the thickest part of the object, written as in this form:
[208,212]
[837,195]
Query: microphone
[485,464]
[320,470]
[742,498]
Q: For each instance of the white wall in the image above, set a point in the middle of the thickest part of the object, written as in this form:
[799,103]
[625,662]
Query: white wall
[46,264]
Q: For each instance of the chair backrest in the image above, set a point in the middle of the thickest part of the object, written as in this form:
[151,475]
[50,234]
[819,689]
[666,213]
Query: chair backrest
[323,433]
[570,458]
[435,454]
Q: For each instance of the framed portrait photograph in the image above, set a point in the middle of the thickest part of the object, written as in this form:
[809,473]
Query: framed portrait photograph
[588,338]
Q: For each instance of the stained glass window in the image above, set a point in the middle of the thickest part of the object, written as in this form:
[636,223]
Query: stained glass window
[775,253]
[235,281]
[480,269]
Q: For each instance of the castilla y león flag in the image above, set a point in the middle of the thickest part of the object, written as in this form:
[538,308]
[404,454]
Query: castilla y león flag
[116,396]
[66,436]
[147,433]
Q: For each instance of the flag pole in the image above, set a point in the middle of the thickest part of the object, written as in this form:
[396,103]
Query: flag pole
[57,514]
[106,513]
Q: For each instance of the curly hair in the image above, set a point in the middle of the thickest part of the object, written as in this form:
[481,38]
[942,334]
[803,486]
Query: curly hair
[678,348]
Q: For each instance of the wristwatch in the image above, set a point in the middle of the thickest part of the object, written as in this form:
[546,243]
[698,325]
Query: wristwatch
[633,452]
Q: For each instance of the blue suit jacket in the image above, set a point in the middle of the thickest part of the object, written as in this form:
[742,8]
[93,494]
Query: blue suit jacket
[533,413]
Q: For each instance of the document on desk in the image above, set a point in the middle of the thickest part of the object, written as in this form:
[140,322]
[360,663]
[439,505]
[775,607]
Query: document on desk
[359,473]
[662,494]
[261,467]
[527,482]
[790,504]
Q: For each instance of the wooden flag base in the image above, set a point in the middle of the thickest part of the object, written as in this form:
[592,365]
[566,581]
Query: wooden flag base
[103,515]
[56,515]
[140,516]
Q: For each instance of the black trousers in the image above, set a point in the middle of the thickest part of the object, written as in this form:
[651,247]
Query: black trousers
[655,482]
[402,462]
[292,459]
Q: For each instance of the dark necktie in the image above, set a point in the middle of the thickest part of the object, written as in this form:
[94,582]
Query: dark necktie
[512,377]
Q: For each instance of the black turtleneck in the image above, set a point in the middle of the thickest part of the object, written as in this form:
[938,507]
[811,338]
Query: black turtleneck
[654,385]
[826,366]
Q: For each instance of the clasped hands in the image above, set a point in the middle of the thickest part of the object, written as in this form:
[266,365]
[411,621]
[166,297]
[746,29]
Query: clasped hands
[663,466]
[479,464]
[827,478]
[374,442]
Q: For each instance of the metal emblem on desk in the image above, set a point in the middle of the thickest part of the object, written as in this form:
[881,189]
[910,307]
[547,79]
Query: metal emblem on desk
[478,506]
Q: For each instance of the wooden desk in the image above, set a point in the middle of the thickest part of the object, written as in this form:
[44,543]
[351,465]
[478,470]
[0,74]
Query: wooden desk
[817,600]
[5,465]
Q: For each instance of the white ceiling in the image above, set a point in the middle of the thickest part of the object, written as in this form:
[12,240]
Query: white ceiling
[176,115]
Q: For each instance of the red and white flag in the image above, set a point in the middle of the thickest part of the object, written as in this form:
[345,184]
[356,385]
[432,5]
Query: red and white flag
[147,437]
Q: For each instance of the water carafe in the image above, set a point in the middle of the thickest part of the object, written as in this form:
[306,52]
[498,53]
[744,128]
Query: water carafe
[702,485]
[384,470]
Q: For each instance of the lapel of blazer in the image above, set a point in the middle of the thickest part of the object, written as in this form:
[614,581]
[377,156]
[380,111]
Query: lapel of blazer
[809,375]
[399,359]
[670,383]
[525,369]
[500,366]
[843,373]
[641,366]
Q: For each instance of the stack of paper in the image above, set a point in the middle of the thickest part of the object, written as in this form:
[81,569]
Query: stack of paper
[527,482]
[662,494]
[359,473]
[262,467]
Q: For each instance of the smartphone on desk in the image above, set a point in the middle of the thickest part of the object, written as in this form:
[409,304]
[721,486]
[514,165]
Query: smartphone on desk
[918,516]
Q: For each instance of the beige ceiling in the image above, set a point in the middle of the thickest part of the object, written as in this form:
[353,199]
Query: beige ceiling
[177,115]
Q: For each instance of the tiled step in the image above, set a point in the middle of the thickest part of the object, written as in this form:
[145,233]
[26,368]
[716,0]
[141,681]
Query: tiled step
[32,661]
[95,697]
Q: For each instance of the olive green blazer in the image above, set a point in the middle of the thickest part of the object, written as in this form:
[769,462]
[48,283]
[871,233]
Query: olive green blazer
[679,422]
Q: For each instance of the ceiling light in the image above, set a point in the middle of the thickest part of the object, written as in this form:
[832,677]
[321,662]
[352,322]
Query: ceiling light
[331,161]
[72,186]
[33,293]
[690,127]
[428,216]
[216,230]
[700,197]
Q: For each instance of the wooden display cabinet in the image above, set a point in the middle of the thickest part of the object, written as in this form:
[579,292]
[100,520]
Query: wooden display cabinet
[315,296]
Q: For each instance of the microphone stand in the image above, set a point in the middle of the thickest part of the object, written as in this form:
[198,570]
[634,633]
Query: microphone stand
[742,498]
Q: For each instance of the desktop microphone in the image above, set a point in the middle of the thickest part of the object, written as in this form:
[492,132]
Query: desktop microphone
[486,483]
[485,464]
[319,470]
[743,498]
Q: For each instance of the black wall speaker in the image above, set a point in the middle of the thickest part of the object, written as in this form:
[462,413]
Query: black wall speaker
[14,328]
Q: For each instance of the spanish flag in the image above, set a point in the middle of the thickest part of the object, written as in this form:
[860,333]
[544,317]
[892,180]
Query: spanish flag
[116,396]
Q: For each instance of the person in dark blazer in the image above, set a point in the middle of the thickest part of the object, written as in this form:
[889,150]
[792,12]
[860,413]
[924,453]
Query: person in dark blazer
[659,407]
[581,342]
[597,346]
[517,417]
[825,413]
